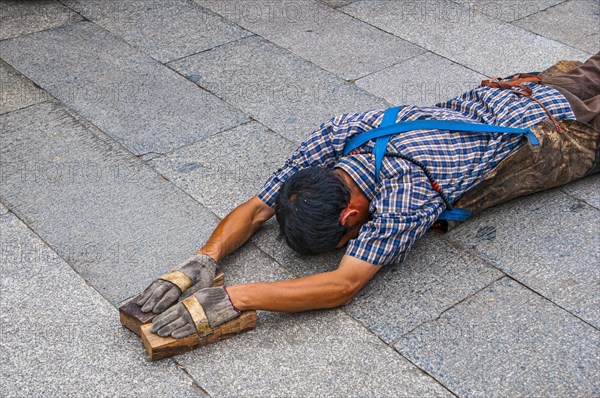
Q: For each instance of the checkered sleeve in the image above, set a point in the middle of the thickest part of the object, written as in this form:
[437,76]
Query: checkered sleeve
[386,239]
[403,213]
[317,150]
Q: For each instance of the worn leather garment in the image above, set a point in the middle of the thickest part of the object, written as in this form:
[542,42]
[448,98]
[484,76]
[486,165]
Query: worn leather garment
[558,160]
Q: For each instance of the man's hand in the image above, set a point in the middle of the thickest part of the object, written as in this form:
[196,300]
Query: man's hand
[200,269]
[178,323]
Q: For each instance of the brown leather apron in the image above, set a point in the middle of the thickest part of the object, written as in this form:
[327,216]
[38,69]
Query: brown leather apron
[565,154]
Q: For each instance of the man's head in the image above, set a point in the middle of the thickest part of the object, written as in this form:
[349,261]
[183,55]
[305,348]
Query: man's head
[319,209]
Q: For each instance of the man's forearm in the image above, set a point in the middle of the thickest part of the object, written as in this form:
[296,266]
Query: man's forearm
[325,290]
[235,229]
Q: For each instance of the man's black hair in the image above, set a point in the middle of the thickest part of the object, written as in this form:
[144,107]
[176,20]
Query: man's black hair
[308,209]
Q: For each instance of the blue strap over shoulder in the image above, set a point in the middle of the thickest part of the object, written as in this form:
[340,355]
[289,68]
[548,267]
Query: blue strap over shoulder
[449,125]
[389,127]
[389,118]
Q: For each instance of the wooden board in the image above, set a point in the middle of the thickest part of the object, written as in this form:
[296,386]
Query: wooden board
[131,314]
[165,347]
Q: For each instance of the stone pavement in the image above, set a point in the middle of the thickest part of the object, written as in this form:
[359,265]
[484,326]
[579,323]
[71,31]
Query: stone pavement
[129,128]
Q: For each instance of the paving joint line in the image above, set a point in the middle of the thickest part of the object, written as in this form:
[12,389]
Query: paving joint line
[425,49]
[171,151]
[538,11]
[209,49]
[467,297]
[470,251]
[51,248]
[353,81]
[552,302]
[396,352]
[44,30]
[195,385]
[562,189]
[27,107]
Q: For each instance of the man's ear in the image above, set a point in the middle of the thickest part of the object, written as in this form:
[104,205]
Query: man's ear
[346,214]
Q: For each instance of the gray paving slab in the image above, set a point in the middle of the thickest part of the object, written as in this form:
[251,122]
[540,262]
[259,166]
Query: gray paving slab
[22,17]
[282,356]
[270,241]
[134,99]
[282,91]
[60,338]
[574,22]
[401,297]
[508,10]
[434,277]
[333,40]
[474,40]
[114,219]
[314,354]
[226,169]
[507,341]
[16,91]
[166,30]
[549,242]
[405,83]
[587,190]
[337,3]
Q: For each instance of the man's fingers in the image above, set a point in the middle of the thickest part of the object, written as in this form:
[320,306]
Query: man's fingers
[146,294]
[169,298]
[184,331]
[166,317]
[161,288]
[171,327]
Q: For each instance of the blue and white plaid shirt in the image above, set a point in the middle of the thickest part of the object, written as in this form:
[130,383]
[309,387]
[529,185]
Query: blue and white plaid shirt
[403,204]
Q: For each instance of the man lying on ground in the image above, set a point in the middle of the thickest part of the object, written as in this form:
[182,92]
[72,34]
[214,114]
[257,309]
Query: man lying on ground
[377,181]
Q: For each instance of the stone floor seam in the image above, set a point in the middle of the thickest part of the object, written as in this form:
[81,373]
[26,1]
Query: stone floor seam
[391,345]
[397,339]
[552,302]
[195,385]
[578,198]
[201,139]
[491,263]
[547,8]
[50,247]
[208,49]
[388,67]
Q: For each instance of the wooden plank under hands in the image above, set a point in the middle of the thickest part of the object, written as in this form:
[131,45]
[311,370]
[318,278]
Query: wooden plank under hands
[131,314]
[165,347]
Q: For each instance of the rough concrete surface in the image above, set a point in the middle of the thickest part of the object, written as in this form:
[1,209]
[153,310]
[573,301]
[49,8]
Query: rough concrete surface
[129,128]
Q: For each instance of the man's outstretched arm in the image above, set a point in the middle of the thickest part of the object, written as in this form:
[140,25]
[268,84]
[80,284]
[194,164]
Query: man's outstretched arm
[235,229]
[199,270]
[324,290]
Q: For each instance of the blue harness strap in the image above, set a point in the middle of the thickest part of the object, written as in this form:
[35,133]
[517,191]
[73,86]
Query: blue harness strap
[389,118]
[449,125]
[389,127]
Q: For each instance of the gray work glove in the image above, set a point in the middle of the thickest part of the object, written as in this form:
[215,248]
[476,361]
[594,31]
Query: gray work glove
[177,322]
[161,294]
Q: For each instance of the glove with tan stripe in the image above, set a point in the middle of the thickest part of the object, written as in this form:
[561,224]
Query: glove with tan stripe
[201,312]
[198,270]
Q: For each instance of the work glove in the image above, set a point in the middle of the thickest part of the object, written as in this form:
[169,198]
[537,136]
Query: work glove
[212,308]
[198,270]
